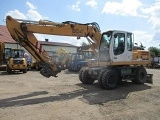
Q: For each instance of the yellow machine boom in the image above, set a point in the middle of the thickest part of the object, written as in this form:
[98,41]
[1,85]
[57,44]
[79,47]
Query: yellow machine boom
[23,31]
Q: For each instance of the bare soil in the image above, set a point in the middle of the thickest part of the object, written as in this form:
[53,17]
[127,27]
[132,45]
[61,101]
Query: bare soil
[31,96]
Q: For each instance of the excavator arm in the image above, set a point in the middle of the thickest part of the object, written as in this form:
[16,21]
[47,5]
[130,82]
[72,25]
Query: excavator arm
[22,31]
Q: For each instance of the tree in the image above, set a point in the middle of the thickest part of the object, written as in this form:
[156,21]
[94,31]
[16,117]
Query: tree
[154,51]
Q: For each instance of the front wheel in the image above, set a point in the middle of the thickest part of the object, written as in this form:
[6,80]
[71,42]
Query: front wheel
[109,79]
[140,76]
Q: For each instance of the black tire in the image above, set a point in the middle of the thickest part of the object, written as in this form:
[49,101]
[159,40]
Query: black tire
[86,79]
[80,73]
[25,70]
[110,79]
[140,76]
[100,78]
[118,71]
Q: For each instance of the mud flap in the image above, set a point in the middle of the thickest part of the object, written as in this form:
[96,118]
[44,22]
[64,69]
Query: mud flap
[149,78]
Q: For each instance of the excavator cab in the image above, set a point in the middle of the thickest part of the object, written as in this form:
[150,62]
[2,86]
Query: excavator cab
[116,47]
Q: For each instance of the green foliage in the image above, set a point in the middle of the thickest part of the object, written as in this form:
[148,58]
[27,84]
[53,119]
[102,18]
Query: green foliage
[154,51]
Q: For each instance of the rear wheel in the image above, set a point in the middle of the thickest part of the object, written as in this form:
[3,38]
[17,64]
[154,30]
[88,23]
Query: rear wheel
[86,78]
[110,79]
[100,78]
[140,76]
[80,73]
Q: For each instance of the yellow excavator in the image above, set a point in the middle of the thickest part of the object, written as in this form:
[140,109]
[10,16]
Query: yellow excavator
[63,58]
[116,60]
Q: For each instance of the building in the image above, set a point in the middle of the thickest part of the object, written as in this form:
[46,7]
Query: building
[50,47]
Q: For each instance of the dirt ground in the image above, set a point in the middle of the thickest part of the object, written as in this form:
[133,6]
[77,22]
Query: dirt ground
[31,96]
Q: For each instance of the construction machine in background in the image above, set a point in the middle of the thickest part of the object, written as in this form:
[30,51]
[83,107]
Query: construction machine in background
[17,61]
[116,58]
[71,61]
[62,58]
[76,62]
[12,59]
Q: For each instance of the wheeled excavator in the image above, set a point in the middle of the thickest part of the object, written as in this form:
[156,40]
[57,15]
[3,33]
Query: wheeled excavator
[117,60]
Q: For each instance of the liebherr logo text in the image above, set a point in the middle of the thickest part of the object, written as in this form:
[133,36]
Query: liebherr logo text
[77,32]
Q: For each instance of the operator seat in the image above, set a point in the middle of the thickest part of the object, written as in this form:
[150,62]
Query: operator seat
[120,49]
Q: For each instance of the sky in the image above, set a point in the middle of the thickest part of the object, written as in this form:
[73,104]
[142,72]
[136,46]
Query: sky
[141,17]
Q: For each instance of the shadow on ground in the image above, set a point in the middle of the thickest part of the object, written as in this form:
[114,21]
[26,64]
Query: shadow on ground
[70,72]
[3,73]
[90,94]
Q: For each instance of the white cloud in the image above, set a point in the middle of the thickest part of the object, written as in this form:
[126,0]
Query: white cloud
[76,42]
[156,36]
[144,38]
[92,3]
[30,5]
[124,8]
[154,14]
[16,14]
[75,6]
[33,15]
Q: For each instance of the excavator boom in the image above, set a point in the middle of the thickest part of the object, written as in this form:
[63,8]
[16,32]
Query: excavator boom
[22,31]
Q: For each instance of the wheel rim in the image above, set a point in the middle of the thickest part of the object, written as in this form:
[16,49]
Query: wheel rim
[112,80]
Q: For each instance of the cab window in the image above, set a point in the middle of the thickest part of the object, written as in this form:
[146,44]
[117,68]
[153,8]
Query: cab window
[129,41]
[119,43]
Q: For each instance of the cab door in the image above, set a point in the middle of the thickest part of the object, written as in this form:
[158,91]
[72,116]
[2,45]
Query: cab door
[119,53]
